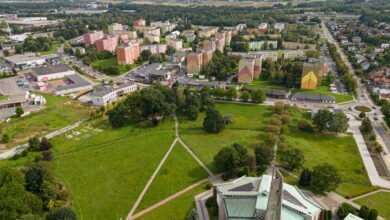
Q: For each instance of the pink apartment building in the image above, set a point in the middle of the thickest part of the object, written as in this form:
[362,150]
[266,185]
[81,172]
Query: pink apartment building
[127,54]
[108,43]
[91,37]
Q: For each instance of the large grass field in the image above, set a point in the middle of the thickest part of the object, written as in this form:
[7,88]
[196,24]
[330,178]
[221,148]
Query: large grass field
[59,112]
[248,129]
[106,169]
[178,209]
[52,49]
[379,201]
[179,171]
[113,62]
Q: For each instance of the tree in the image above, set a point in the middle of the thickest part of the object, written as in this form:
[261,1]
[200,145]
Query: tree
[373,214]
[366,126]
[322,118]
[6,53]
[213,122]
[47,156]
[242,154]
[14,200]
[45,144]
[345,209]
[5,138]
[64,213]
[305,125]
[305,178]
[339,122]
[19,112]
[362,115]
[292,159]
[258,96]
[231,93]
[325,178]
[364,212]
[34,179]
[219,92]
[34,144]
[192,112]
[245,96]
[226,160]
[263,155]
[78,53]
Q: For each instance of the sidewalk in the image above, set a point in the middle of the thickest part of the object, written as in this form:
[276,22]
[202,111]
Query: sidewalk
[372,173]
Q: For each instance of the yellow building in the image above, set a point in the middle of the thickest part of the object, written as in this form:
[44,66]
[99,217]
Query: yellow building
[309,81]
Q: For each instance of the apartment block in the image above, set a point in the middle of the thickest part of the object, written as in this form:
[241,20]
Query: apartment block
[220,44]
[154,48]
[317,66]
[207,32]
[165,26]
[262,28]
[108,43]
[127,54]
[139,22]
[114,28]
[194,63]
[210,44]
[207,56]
[175,43]
[249,68]
[91,37]
[152,38]
[278,27]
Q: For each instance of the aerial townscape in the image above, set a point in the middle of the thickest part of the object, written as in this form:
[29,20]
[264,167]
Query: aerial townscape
[194,110]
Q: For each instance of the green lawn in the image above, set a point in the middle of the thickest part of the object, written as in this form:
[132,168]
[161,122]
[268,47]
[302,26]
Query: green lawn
[265,85]
[250,122]
[186,44]
[106,169]
[248,128]
[179,171]
[179,208]
[340,152]
[2,97]
[113,62]
[59,112]
[379,201]
[52,49]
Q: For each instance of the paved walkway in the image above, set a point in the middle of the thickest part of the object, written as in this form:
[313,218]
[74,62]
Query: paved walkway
[162,202]
[373,175]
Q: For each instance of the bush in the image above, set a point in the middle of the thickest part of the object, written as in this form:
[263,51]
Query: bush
[208,186]
[345,209]
[5,139]
[47,156]
[305,125]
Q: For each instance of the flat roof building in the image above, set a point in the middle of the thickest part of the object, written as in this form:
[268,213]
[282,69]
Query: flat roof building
[25,60]
[104,94]
[46,73]
[73,83]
